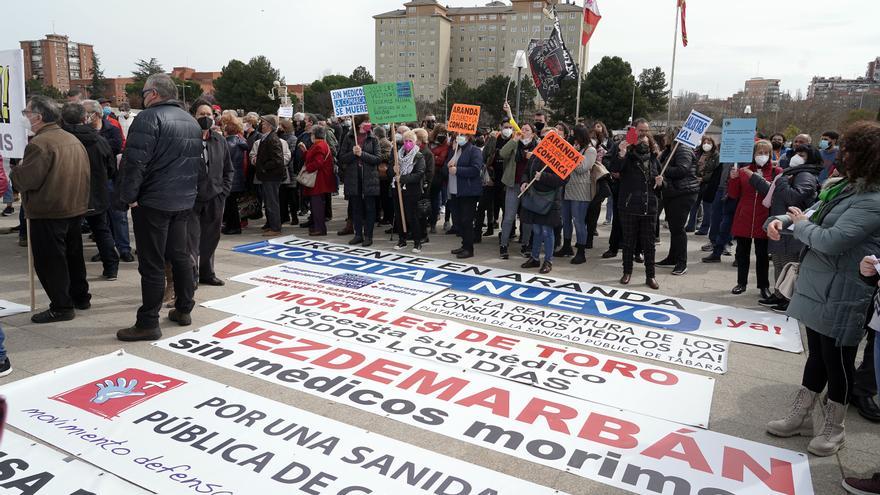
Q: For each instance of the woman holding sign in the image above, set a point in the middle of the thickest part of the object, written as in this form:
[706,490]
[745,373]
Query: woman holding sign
[639,170]
[359,157]
[409,174]
[541,206]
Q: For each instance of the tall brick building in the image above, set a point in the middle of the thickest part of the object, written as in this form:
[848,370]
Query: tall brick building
[56,61]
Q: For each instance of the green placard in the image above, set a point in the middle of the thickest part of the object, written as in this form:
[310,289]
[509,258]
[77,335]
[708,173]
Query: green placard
[391,102]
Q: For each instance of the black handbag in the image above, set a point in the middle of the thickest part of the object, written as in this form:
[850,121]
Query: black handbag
[538,203]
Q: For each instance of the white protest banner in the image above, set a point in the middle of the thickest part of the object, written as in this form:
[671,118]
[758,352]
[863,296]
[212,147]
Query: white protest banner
[285,112]
[659,392]
[585,298]
[29,468]
[375,290]
[174,432]
[9,308]
[13,134]
[620,448]
[348,101]
[694,127]
[660,345]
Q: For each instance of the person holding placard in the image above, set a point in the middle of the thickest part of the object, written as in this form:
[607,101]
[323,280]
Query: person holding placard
[516,155]
[541,204]
[359,157]
[639,170]
[750,216]
[680,191]
[409,175]
[830,298]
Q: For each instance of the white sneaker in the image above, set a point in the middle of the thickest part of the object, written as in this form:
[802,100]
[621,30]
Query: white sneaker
[5,367]
[416,250]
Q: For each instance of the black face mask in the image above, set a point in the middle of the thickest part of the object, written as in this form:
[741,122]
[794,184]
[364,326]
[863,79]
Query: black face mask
[776,145]
[539,126]
[480,141]
[429,124]
[441,138]
[205,123]
[642,148]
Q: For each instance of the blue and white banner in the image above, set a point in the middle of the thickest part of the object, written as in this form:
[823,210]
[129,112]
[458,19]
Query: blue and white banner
[650,310]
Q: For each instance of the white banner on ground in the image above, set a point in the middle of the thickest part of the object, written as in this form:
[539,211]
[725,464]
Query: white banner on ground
[620,448]
[660,392]
[30,468]
[174,432]
[669,347]
[646,309]
[373,290]
[9,308]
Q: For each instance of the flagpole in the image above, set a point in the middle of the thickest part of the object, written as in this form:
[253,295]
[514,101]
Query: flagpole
[577,108]
[672,74]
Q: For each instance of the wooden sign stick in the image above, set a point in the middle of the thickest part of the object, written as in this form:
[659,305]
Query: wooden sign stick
[532,182]
[399,187]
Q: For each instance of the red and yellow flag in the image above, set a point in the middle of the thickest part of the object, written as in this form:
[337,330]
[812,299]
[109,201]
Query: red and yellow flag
[684,32]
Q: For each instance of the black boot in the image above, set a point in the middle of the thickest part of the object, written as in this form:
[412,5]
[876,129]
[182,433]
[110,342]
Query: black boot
[579,257]
[564,249]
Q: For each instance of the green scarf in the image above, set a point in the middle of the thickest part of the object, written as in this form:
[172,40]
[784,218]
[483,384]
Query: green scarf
[826,196]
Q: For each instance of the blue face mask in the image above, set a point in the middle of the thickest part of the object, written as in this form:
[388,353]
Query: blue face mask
[823,144]
[106,111]
[461,140]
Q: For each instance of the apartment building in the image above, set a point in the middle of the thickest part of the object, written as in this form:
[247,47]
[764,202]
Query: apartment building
[433,44]
[57,61]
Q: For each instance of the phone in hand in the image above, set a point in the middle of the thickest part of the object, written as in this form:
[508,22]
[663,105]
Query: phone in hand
[632,136]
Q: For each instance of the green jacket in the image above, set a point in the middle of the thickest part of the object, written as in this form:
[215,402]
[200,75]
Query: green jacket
[829,295]
[508,154]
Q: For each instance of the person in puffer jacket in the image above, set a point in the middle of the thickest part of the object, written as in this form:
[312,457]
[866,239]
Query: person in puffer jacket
[158,179]
[680,191]
[748,222]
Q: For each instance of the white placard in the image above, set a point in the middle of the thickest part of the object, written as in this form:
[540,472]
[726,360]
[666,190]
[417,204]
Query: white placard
[651,310]
[374,290]
[691,351]
[620,448]
[13,134]
[30,468]
[660,392]
[9,308]
[691,133]
[285,112]
[349,101]
[174,432]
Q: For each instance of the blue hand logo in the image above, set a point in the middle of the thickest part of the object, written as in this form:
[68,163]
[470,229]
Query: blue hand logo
[108,390]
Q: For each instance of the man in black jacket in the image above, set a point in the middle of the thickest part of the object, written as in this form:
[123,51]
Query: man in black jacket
[680,191]
[103,167]
[158,179]
[270,171]
[215,182]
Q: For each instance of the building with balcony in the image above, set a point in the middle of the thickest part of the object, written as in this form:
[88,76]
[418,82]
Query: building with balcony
[56,61]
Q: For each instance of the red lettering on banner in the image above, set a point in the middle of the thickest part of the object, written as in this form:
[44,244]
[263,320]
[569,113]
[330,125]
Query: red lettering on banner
[285,296]
[308,345]
[779,479]
[471,336]
[379,317]
[665,377]
[610,431]
[432,326]
[230,331]
[336,307]
[690,451]
[359,312]
[406,322]
[588,362]
[624,368]
[548,351]
[260,340]
[556,414]
[372,370]
[495,399]
[352,359]
[502,343]
[427,384]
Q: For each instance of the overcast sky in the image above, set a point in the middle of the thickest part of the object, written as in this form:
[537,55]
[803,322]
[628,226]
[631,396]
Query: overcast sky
[729,40]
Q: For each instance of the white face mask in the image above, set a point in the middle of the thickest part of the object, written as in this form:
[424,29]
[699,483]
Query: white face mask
[761,160]
[28,127]
[796,161]
[506,132]
[707,147]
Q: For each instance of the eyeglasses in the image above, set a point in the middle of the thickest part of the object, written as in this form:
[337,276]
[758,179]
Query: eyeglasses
[26,112]
[144,92]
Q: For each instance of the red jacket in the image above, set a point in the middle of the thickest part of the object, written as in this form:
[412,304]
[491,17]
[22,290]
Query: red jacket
[115,123]
[750,213]
[318,158]
[4,181]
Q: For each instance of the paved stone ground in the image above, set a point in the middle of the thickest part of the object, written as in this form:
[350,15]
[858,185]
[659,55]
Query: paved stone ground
[758,387]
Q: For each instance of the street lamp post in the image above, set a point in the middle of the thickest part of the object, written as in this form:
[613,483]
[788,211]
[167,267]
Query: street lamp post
[281,91]
[183,88]
[519,63]
[632,106]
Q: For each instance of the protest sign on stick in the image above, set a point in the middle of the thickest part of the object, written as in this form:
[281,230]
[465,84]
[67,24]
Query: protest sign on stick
[690,134]
[390,102]
[464,119]
[558,155]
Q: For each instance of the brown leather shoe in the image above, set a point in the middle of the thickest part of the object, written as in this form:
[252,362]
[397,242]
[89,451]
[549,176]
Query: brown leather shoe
[625,278]
[347,230]
[652,283]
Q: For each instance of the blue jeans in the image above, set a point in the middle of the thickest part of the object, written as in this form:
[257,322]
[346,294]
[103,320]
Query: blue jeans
[609,209]
[3,347]
[692,217]
[119,226]
[575,212]
[728,212]
[511,207]
[707,217]
[542,234]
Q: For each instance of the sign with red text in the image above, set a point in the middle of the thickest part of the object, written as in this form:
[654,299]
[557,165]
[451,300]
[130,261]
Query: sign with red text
[652,310]
[656,391]
[692,351]
[206,437]
[623,449]
[372,289]
[30,468]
